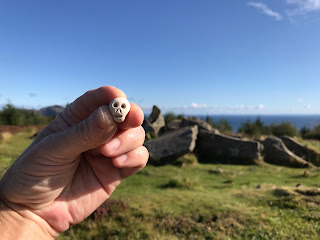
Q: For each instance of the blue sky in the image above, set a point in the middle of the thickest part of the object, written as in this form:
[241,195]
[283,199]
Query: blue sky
[186,56]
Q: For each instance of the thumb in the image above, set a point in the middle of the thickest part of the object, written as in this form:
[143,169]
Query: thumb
[88,134]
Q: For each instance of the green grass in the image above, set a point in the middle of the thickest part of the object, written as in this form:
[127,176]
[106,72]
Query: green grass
[11,148]
[202,201]
[313,144]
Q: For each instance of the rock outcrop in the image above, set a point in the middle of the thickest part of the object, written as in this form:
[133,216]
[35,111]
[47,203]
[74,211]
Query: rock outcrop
[174,125]
[297,148]
[276,152]
[155,122]
[202,125]
[172,145]
[217,147]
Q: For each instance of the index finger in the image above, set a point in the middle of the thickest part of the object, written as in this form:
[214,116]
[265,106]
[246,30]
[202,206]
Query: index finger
[86,104]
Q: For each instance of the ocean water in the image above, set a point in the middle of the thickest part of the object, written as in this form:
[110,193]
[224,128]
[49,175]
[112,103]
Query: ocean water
[299,121]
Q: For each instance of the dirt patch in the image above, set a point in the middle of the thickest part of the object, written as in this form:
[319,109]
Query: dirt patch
[11,129]
[5,135]
[7,132]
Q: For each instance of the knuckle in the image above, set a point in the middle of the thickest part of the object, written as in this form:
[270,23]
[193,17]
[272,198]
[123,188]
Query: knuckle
[143,156]
[83,133]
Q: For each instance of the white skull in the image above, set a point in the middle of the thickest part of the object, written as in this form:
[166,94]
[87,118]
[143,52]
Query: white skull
[119,108]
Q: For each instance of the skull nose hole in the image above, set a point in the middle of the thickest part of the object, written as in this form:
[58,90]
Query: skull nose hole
[115,104]
[123,105]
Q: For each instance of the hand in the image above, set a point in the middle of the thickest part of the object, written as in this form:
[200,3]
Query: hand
[75,163]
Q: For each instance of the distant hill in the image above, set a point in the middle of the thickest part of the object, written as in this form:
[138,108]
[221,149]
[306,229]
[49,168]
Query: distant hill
[51,110]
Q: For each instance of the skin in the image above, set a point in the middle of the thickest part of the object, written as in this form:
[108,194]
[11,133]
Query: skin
[71,168]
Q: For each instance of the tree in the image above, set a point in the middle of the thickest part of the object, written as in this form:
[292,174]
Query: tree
[11,115]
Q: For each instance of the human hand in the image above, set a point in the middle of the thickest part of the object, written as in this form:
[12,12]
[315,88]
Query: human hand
[74,164]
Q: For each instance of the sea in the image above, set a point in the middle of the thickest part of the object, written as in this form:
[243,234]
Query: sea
[300,121]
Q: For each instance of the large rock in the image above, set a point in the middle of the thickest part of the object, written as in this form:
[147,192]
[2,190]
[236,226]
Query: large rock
[202,125]
[297,148]
[155,122]
[171,146]
[276,152]
[217,147]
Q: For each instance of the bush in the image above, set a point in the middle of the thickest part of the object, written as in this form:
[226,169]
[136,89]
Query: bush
[210,121]
[285,128]
[224,126]
[182,183]
[304,131]
[170,116]
[255,129]
[11,116]
[14,116]
[187,159]
[311,134]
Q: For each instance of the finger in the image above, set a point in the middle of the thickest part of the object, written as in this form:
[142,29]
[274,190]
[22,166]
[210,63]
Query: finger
[131,162]
[123,141]
[88,134]
[86,104]
[134,118]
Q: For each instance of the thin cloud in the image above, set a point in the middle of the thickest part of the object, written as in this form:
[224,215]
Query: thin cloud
[300,100]
[196,105]
[260,107]
[266,10]
[300,7]
[32,94]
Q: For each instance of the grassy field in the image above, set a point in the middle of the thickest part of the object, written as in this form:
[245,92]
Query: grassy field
[201,201]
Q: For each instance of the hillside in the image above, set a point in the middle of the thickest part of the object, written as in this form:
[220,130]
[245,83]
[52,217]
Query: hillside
[200,201]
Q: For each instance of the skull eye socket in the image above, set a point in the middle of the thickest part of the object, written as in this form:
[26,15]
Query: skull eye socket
[123,105]
[115,104]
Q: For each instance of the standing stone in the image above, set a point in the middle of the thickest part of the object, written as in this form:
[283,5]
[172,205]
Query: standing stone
[172,145]
[276,152]
[155,122]
[216,147]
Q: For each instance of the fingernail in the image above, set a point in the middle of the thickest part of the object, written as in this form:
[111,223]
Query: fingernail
[113,144]
[121,159]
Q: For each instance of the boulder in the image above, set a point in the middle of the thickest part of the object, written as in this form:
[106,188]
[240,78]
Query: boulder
[216,147]
[173,125]
[202,125]
[172,145]
[297,148]
[155,122]
[276,152]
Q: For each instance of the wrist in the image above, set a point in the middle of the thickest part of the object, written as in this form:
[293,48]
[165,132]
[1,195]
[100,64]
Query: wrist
[15,226]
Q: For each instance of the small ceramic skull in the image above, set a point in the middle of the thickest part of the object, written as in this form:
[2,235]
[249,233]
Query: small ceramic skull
[119,108]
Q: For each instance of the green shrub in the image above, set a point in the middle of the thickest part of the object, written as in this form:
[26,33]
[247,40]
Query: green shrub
[187,159]
[311,134]
[210,121]
[224,126]
[169,117]
[285,128]
[257,128]
[182,183]
[18,117]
